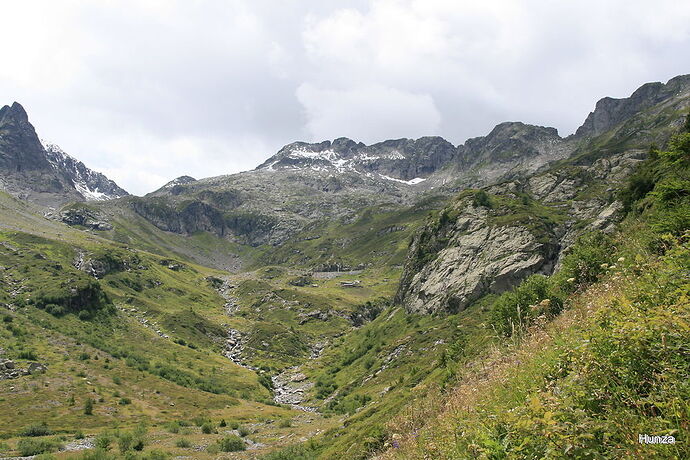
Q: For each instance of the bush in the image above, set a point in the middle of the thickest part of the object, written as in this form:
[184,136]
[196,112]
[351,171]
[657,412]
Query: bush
[29,355]
[103,441]
[199,420]
[285,423]
[586,260]
[96,454]
[183,443]
[173,427]
[516,309]
[325,386]
[39,429]
[28,447]
[265,381]
[231,443]
[124,401]
[481,198]
[627,374]
[88,407]
[244,431]
[131,440]
[208,428]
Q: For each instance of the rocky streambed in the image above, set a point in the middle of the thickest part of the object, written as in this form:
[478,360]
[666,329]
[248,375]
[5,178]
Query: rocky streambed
[290,388]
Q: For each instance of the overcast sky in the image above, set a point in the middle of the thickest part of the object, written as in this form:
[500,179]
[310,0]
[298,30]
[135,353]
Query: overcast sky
[146,91]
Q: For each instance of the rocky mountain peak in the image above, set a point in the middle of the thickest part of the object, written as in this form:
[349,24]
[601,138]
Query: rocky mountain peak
[609,111]
[402,160]
[20,148]
[14,113]
[180,181]
[510,142]
[92,185]
[44,173]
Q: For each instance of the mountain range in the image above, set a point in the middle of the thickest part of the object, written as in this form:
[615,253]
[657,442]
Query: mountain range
[405,299]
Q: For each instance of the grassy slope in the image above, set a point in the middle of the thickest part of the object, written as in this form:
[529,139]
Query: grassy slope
[369,406]
[614,365]
[370,374]
[123,365]
[114,357]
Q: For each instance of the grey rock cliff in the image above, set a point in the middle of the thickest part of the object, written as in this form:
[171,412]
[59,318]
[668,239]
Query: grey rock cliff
[610,112]
[44,175]
[92,185]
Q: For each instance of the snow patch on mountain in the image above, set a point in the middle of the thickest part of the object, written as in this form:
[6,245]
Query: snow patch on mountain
[414,181]
[326,158]
[92,185]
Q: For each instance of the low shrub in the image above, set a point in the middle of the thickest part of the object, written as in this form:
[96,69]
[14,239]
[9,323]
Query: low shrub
[208,428]
[28,447]
[183,443]
[285,423]
[38,429]
[231,443]
[516,309]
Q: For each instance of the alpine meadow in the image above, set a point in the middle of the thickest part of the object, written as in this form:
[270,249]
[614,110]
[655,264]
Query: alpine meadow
[520,295]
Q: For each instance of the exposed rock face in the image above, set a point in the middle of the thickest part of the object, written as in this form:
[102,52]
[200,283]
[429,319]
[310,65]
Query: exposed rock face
[334,180]
[267,206]
[405,160]
[479,246]
[44,175]
[24,169]
[21,149]
[191,217]
[92,185]
[509,142]
[524,224]
[304,183]
[610,112]
[456,260]
[85,217]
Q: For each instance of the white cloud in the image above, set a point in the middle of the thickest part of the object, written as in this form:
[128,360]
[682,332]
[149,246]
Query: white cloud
[123,85]
[370,113]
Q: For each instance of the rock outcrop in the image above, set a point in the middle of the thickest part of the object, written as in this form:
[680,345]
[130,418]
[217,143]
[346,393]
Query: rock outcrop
[472,249]
[489,240]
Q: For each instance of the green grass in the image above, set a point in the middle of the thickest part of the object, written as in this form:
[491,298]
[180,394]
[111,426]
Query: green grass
[612,366]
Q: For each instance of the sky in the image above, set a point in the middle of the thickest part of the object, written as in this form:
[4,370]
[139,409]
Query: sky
[149,90]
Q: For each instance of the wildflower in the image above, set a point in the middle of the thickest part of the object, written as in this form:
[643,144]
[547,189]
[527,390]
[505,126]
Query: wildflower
[621,259]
